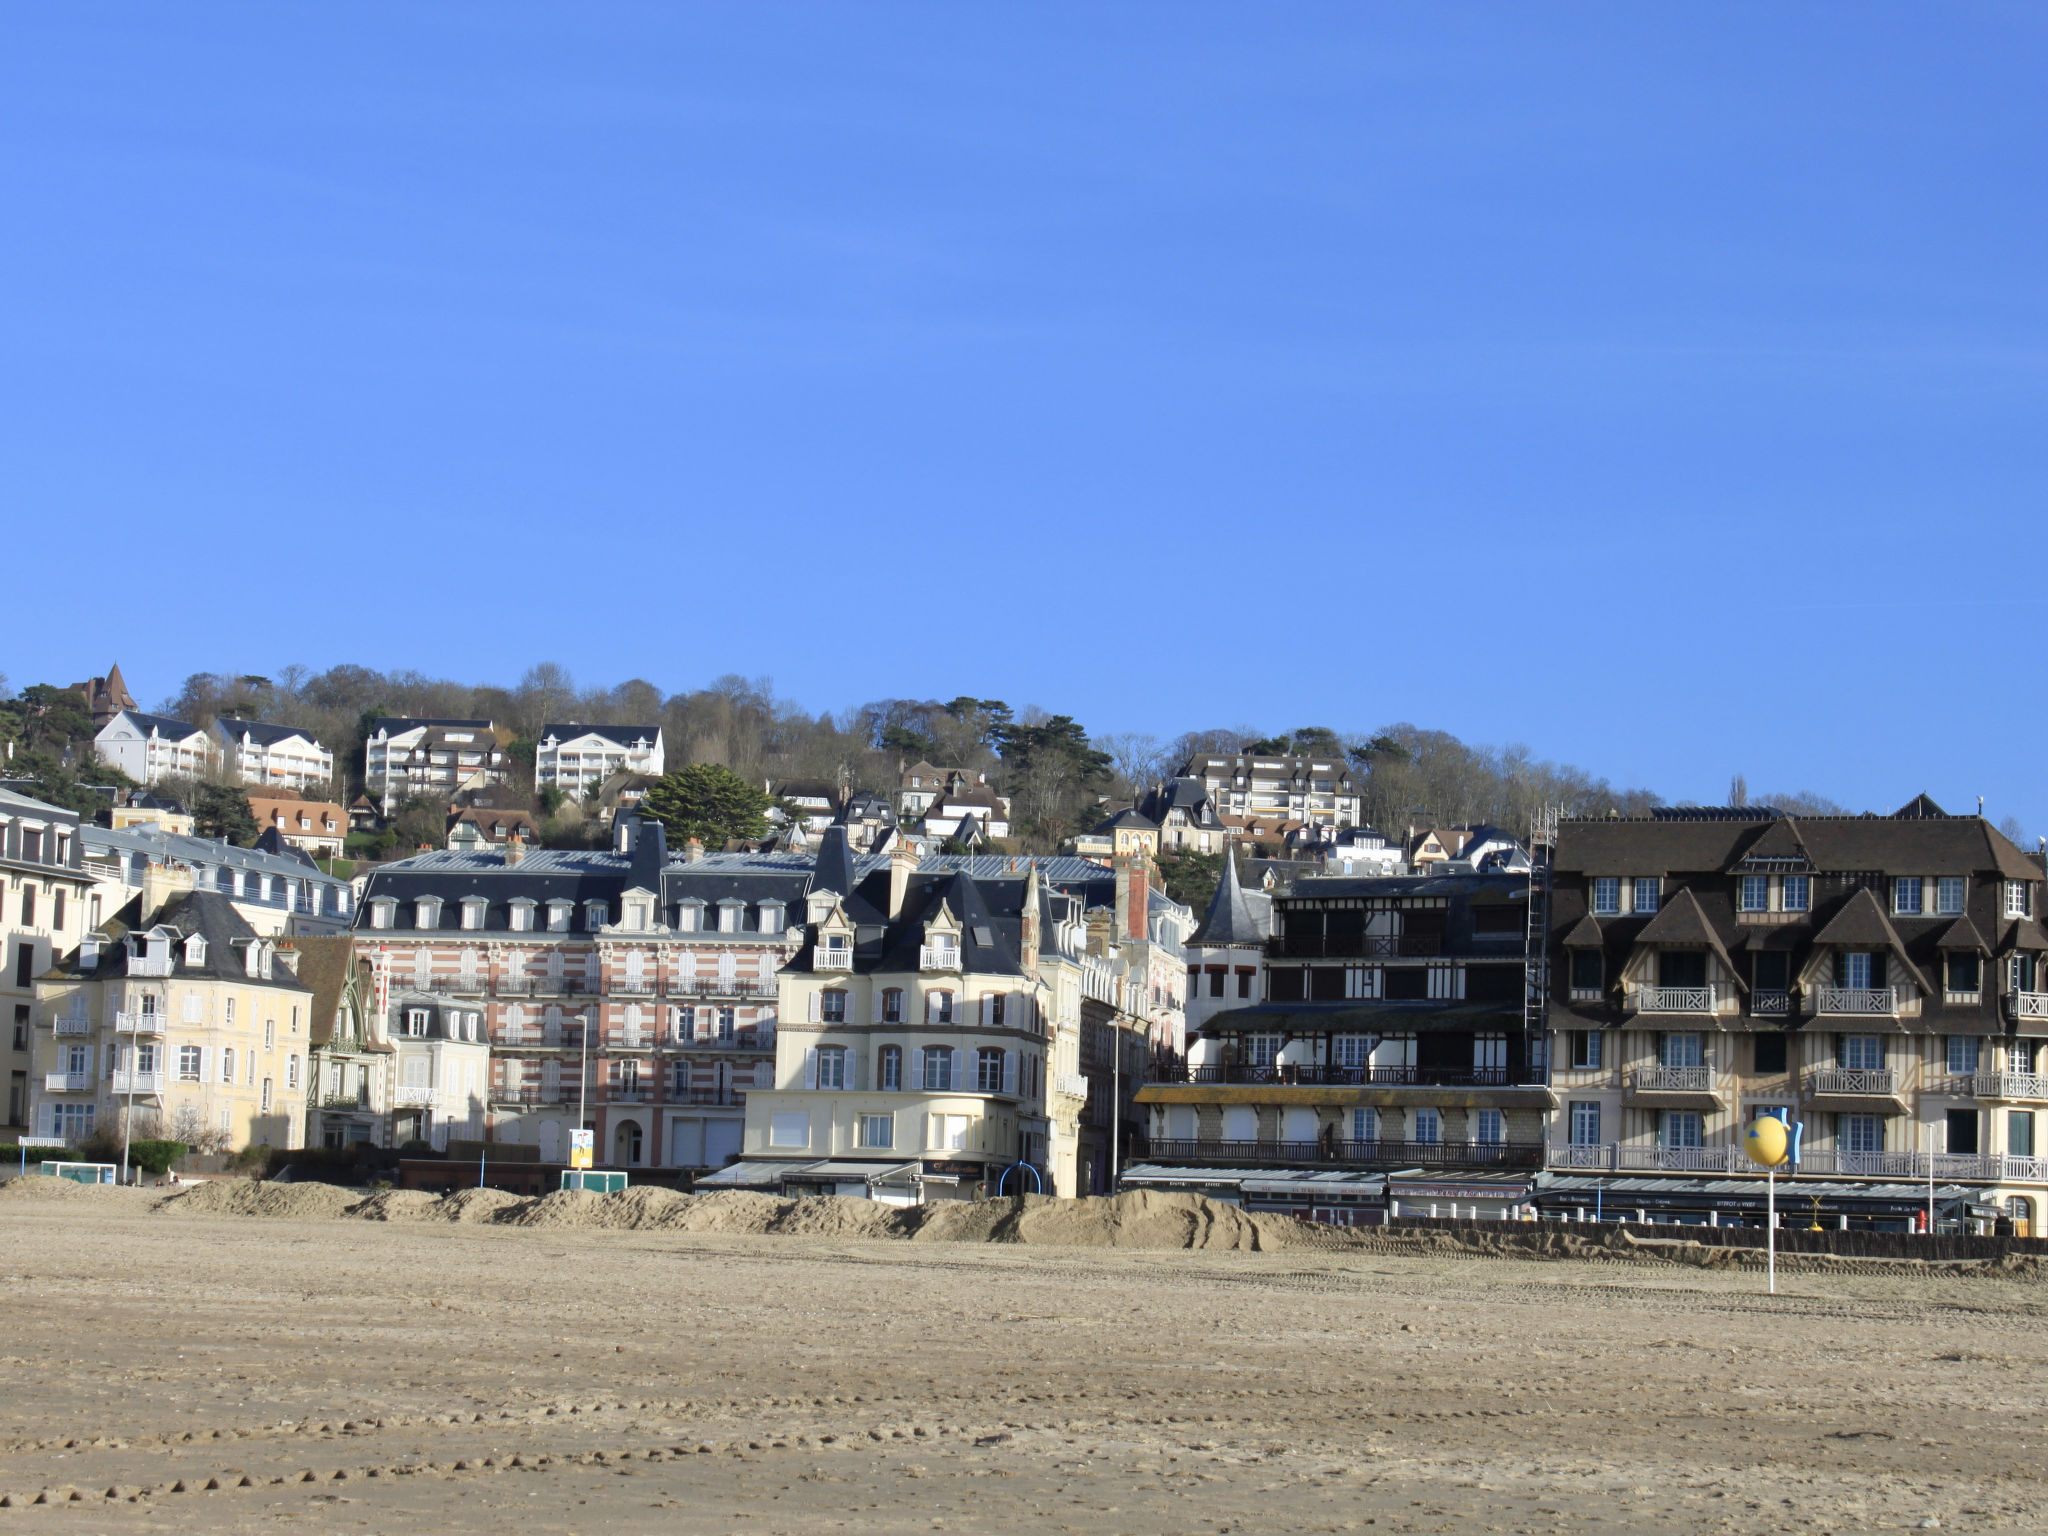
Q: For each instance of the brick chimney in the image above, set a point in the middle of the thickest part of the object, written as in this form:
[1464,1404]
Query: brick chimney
[1133,903]
[693,850]
[515,850]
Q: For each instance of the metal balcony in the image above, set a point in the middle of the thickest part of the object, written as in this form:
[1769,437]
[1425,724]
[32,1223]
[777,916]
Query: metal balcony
[72,1024]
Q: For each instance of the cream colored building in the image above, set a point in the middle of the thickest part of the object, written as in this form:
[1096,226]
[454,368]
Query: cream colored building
[932,1042]
[189,1019]
[43,912]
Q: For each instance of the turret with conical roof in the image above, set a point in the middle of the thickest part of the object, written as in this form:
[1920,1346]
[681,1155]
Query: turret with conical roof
[1230,918]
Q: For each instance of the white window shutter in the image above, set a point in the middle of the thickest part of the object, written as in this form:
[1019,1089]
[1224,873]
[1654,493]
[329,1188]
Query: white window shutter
[856,1069]
[811,1066]
[1010,1071]
[988,1010]
[815,1007]
[916,1068]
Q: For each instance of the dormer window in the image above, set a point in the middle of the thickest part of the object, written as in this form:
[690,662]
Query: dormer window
[473,908]
[558,915]
[381,911]
[416,1023]
[729,911]
[690,915]
[522,915]
[596,914]
[195,950]
[2019,898]
[251,962]
[426,912]
[636,915]
[771,917]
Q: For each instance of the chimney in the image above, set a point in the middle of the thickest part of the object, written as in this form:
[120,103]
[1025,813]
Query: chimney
[515,850]
[1133,908]
[902,865]
[693,850]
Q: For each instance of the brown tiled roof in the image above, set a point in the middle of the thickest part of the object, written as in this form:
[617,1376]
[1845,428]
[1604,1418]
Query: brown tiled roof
[1680,921]
[1955,845]
[1861,924]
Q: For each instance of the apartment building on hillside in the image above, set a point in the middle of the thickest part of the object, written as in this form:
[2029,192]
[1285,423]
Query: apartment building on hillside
[272,756]
[1316,791]
[148,747]
[318,827]
[1878,979]
[578,759]
[430,759]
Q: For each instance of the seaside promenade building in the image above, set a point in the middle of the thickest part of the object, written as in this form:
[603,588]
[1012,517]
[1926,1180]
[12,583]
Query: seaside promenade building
[1878,979]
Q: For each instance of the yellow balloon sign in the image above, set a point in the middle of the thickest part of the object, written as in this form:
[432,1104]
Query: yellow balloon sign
[1766,1141]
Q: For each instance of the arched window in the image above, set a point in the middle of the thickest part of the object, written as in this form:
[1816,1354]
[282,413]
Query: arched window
[889,1068]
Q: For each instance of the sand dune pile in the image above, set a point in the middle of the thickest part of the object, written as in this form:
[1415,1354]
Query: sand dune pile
[43,1187]
[1143,1219]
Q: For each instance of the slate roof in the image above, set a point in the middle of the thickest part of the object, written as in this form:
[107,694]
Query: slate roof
[207,913]
[1962,934]
[398,725]
[171,847]
[1861,924]
[163,725]
[1235,916]
[1917,845]
[1127,817]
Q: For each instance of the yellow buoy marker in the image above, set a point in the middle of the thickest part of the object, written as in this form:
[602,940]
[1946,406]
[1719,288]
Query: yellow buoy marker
[1766,1141]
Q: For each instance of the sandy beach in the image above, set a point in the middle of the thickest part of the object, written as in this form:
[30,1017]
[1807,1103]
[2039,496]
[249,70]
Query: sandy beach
[232,1373]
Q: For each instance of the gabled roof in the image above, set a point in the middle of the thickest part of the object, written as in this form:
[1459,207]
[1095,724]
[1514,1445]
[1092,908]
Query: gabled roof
[1232,918]
[619,735]
[214,918]
[2022,933]
[1127,817]
[1920,807]
[326,964]
[263,734]
[1779,847]
[834,869]
[1585,934]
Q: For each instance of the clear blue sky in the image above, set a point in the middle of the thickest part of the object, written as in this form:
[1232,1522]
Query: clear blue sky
[1663,387]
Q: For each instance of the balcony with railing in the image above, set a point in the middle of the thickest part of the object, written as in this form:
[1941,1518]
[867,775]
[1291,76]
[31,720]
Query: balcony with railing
[1073,1084]
[938,957]
[138,1023]
[833,959]
[412,1093]
[1770,1002]
[1671,1080]
[152,965]
[67,1082]
[71,1024]
[1309,1075]
[1859,1082]
[632,986]
[2028,1005]
[344,1101]
[2009,1085]
[724,986]
[1353,1154]
[1369,946]
[126,1081]
[1864,1002]
[1701,999]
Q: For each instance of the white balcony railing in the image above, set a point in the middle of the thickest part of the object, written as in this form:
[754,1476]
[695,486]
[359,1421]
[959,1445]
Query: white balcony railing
[155,965]
[71,1024]
[1868,1081]
[1676,999]
[67,1082]
[2009,1085]
[2030,1005]
[126,1081]
[1857,1000]
[1672,1080]
[938,957]
[139,1023]
[834,959]
[1073,1084]
[409,1093]
[1623,1157]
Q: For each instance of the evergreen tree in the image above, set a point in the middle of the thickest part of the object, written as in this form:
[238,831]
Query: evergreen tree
[708,802]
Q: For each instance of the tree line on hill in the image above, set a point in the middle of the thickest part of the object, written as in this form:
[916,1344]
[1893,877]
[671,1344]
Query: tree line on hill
[1059,776]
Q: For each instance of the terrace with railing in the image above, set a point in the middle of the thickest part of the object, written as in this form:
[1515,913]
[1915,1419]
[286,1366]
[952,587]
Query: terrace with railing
[1310,1075]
